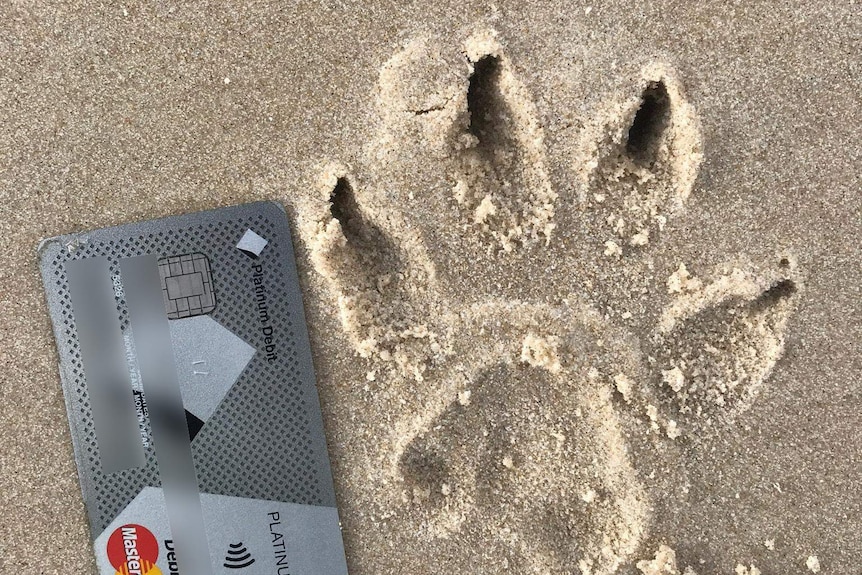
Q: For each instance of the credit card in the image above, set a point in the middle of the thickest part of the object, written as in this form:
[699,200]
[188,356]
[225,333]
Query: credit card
[187,373]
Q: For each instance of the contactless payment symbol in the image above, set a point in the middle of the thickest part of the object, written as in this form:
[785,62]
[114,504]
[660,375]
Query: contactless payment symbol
[133,550]
[238,557]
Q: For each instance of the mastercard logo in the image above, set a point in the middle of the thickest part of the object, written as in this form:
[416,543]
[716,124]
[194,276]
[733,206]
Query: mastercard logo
[133,550]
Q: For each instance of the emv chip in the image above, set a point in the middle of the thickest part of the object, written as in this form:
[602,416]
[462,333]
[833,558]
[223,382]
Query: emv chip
[187,285]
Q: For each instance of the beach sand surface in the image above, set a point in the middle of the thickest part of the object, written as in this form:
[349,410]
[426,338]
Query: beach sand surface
[582,279]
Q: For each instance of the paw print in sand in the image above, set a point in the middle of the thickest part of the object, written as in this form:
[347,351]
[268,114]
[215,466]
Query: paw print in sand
[512,317]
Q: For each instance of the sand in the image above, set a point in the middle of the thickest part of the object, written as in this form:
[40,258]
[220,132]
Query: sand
[582,280]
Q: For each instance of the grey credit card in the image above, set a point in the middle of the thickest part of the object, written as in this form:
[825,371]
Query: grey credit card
[187,373]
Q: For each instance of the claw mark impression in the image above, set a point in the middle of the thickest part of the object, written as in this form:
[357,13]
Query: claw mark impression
[367,267]
[718,343]
[641,159]
[480,123]
[502,181]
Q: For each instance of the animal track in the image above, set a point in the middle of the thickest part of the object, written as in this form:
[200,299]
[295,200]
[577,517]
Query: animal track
[641,158]
[515,436]
[368,268]
[529,428]
[483,129]
[717,345]
[504,155]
